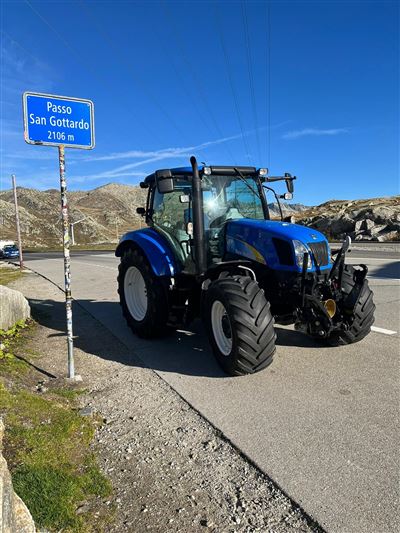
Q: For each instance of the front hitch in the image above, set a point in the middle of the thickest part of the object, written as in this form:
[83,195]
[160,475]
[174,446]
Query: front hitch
[338,265]
[313,315]
[350,301]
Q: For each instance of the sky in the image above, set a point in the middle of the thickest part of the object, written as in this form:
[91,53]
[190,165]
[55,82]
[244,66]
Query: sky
[306,87]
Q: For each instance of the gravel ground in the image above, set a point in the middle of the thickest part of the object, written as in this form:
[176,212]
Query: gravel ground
[171,470]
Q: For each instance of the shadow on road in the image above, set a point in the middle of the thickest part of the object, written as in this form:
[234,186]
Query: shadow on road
[390,270]
[183,352]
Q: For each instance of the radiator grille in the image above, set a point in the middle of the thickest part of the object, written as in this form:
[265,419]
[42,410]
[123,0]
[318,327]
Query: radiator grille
[320,252]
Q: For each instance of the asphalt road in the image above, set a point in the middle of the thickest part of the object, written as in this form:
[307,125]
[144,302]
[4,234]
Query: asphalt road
[322,422]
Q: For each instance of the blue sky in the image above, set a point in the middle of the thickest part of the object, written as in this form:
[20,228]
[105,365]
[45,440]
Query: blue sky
[308,87]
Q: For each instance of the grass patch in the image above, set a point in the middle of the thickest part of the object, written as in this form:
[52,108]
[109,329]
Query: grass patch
[68,394]
[52,467]
[47,444]
[9,364]
[8,275]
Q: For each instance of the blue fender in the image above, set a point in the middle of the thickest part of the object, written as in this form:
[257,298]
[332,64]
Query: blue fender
[155,247]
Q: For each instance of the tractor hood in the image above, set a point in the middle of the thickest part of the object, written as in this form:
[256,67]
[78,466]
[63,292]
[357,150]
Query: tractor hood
[271,242]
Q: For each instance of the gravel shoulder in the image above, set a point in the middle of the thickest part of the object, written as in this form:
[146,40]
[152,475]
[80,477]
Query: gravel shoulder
[170,469]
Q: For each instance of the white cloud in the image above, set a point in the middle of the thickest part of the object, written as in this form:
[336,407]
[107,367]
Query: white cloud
[156,155]
[313,132]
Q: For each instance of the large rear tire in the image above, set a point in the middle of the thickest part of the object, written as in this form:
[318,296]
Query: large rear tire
[143,296]
[240,325]
[362,318]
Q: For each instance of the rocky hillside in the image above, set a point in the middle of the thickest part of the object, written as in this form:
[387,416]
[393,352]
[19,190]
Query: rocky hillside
[105,213]
[374,219]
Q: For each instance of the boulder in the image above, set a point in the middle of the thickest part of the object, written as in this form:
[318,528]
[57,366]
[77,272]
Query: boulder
[376,229]
[342,225]
[382,214]
[364,237]
[13,306]
[14,515]
[388,236]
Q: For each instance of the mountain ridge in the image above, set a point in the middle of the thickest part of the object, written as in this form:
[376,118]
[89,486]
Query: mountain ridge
[104,213]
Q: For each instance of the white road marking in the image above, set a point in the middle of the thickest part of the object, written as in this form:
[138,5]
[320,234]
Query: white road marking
[383,330]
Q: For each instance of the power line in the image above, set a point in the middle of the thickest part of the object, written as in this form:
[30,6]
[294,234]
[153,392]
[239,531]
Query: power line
[268,84]
[197,81]
[88,67]
[135,77]
[251,77]
[230,79]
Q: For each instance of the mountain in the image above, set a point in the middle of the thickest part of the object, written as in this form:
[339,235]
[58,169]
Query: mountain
[103,214]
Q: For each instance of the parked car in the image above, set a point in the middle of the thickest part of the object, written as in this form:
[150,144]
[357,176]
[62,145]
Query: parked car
[9,252]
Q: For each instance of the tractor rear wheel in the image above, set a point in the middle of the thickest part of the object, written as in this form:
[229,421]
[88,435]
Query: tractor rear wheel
[143,296]
[239,324]
[362,318]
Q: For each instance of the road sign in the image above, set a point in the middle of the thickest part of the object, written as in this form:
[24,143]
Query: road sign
[65,122]
[58,120]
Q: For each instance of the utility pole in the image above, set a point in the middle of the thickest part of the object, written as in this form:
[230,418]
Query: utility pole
[21,260]
[71,226]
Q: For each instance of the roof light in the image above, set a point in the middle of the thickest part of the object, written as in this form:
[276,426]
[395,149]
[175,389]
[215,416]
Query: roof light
[262,171]
[207,171]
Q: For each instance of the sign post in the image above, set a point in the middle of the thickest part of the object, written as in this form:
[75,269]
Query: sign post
[64,122]
[21,259]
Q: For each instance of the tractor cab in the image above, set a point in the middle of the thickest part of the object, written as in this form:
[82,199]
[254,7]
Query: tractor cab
[225,194]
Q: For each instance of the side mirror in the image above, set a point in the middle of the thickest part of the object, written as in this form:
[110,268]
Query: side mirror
[290,187]
[141,211]
[165,182]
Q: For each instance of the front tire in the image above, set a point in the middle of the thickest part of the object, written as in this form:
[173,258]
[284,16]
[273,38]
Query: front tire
[362,318]
[143,296]
[240,325]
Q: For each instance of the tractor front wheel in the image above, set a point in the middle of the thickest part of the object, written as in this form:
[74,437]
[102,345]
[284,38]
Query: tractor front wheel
[239,324]
[143,296]
[362,317]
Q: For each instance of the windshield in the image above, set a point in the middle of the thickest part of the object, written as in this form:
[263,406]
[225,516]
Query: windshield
[230,197]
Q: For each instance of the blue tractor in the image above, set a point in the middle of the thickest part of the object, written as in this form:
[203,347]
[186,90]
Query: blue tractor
[210,250]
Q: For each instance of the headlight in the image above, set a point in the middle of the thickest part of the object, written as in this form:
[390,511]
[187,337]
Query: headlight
[299,250]
[207,171]
[263,172]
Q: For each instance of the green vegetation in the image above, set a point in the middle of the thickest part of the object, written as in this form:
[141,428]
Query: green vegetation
[8,274]
[9,364]
[47,447]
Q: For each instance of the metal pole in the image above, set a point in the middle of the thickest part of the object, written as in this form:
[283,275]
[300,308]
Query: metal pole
[67,262]
[21,259]
[72,233]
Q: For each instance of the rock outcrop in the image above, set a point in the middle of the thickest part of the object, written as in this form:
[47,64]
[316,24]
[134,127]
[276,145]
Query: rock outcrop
[376,219]
[14,515]
[13,307]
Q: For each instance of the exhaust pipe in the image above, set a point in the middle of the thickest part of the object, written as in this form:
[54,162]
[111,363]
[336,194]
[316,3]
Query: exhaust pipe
[198,220]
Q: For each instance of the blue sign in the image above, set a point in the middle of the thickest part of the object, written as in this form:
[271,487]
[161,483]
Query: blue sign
[58,120]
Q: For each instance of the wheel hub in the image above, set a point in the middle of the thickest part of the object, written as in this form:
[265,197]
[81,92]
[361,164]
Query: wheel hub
[221,327]
[135,293]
